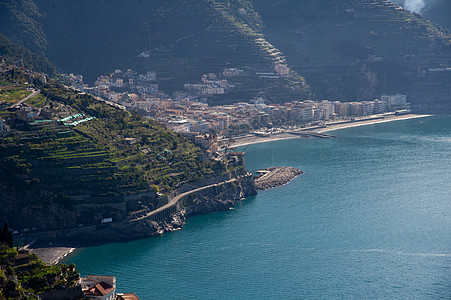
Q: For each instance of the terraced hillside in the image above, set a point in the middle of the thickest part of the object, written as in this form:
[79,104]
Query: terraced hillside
[361,49]
[345,49]
[70,159]
[185,39]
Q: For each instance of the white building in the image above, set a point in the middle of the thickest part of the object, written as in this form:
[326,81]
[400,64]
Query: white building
[231,72]
[119,82]
[367,108]
[379,106]
[307,114]
[149,76]
[394,100]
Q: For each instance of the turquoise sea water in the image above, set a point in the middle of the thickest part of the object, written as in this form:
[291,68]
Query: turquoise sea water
[369,219]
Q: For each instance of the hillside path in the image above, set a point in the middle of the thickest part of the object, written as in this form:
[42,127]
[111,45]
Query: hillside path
[26,98]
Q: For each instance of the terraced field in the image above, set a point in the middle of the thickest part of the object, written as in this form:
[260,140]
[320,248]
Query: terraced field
[72,159]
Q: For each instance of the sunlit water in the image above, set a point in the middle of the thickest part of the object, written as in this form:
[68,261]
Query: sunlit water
[370,218]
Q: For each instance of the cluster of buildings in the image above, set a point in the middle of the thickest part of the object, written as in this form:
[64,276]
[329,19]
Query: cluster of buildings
[210,85]
[185,116]
[140,91]
[119,85]
[187,112]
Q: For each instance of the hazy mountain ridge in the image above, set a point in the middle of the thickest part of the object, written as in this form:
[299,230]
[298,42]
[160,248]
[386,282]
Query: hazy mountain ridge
[354,50]
[346,50]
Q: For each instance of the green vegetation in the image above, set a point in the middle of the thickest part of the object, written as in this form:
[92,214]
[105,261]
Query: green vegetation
[22,57]
[336,49]
[25,276]
[355,50]
[216,36]
[68,169]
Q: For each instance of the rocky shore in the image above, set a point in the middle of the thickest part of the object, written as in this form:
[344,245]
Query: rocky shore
[276,176]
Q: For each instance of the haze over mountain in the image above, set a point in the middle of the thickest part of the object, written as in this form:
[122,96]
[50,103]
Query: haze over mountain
[347,50]
[438,11]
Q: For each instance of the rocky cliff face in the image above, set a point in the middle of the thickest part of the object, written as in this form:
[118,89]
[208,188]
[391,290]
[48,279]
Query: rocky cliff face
[219,197]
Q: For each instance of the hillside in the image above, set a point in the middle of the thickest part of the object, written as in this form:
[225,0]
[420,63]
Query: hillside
[361,49]
[346,49]
[22,57]
[185,40]
[69,159]
[439,12]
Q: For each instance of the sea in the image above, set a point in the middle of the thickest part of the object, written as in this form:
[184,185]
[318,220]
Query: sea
[369,219]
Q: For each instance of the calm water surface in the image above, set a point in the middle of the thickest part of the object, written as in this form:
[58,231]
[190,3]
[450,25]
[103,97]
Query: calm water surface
[370,218]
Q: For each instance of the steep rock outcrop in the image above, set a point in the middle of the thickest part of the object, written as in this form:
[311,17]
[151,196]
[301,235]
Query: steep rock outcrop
[219,197]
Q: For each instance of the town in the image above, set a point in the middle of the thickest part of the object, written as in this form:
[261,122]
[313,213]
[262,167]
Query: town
[188,112]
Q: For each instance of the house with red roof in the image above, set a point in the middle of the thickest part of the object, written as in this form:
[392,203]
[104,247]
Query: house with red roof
[99,287]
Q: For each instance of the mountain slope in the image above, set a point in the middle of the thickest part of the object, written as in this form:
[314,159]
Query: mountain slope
[360,49]
[345,49]
[22,57]
[77,163]
[186,39]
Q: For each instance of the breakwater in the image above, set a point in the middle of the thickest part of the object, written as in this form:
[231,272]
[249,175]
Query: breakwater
[276,176]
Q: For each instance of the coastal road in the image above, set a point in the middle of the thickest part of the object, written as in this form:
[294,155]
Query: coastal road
[177,198]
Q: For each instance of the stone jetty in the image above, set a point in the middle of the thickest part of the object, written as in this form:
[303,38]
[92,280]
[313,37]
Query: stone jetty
[276,176]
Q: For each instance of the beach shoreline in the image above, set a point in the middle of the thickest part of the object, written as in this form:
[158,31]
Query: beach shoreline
[376,119]
[52,255]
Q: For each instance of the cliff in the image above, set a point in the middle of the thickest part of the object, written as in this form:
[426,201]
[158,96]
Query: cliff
[217,197]
[221,196]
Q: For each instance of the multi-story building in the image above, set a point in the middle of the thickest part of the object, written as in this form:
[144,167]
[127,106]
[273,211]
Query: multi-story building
[282,70]
[367,108]
[307,114]
[379,106]
[394,100]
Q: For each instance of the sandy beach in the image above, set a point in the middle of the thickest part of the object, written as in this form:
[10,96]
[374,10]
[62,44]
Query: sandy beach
[52,255]
[252,139]
[387,118]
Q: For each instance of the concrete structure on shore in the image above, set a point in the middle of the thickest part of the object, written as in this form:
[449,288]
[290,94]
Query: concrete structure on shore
[276,176]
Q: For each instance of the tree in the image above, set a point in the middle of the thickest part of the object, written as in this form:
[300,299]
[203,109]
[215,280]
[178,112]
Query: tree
[6,236]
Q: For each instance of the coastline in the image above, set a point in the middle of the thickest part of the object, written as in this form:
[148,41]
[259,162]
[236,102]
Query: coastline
[357,123]
[52,255]
[376,119]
